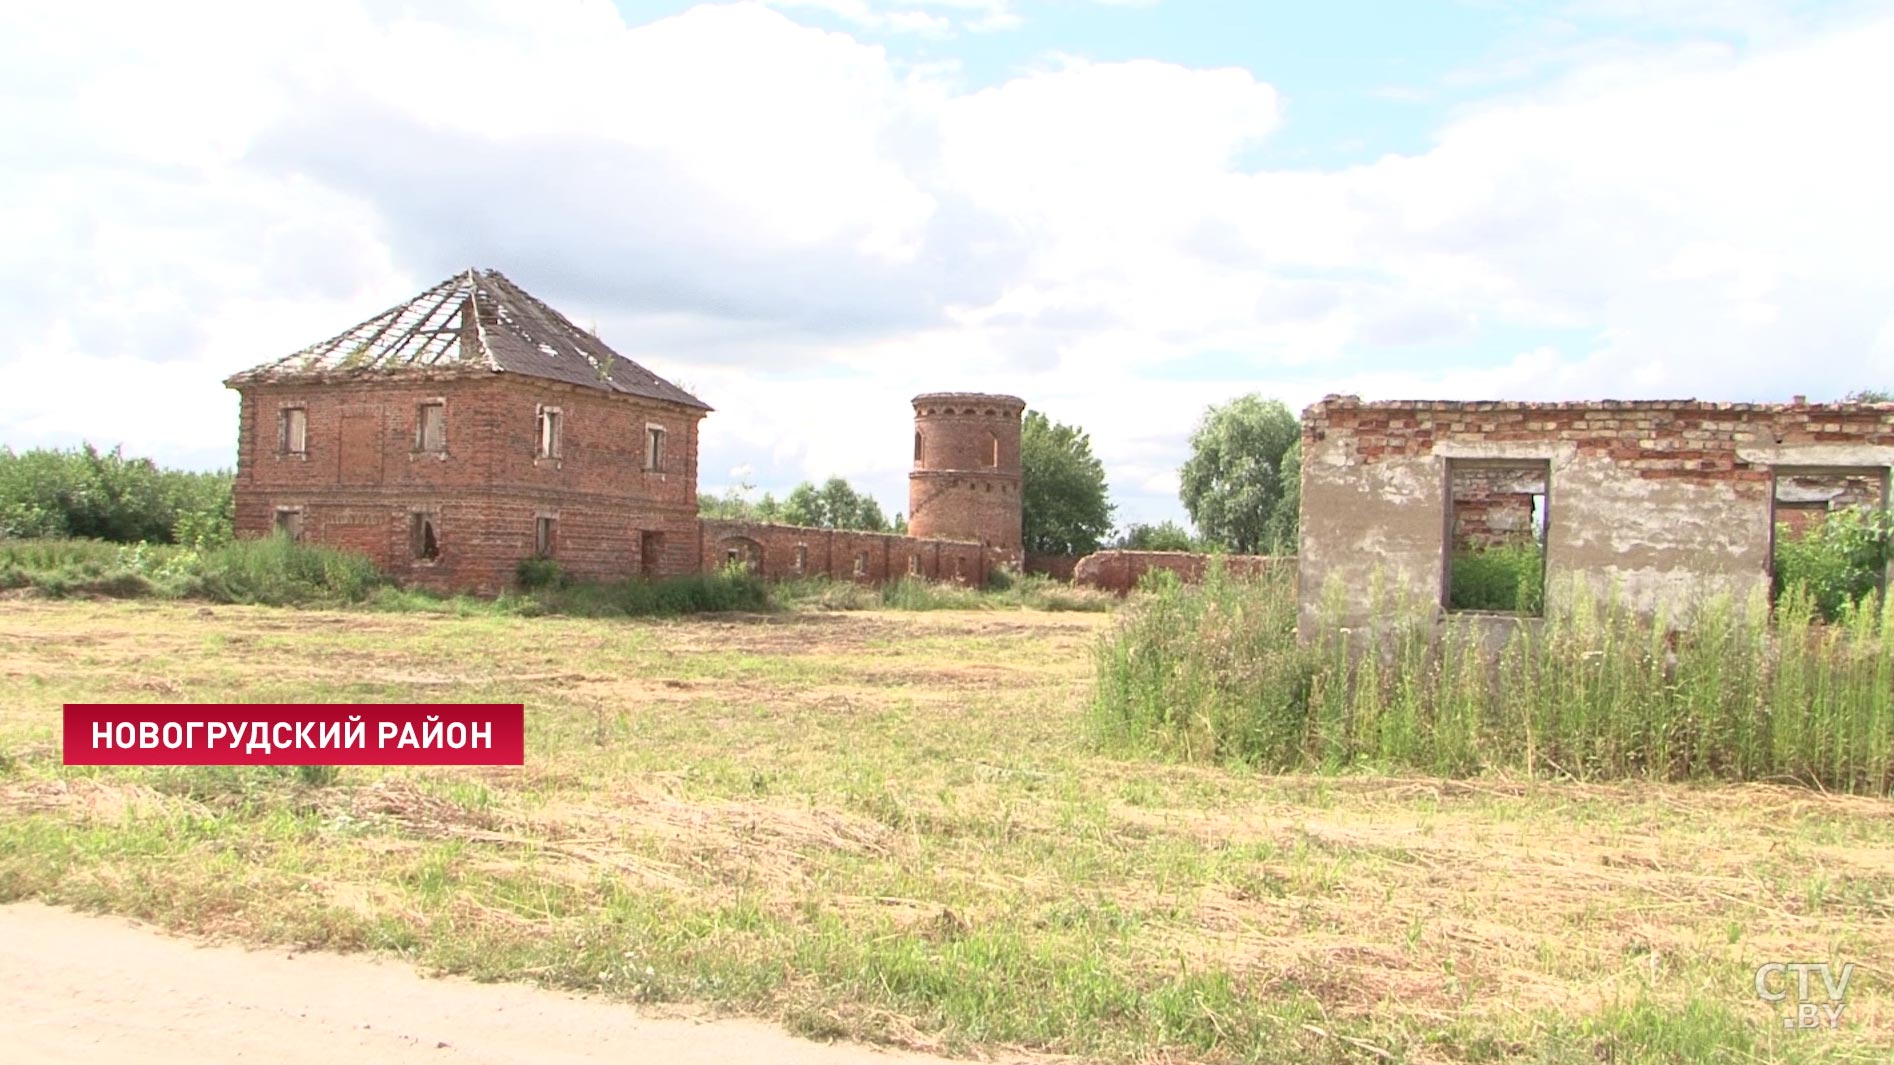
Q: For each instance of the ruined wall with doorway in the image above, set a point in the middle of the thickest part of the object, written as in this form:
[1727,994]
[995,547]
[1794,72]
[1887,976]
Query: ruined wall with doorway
[785,552]
[1662,503]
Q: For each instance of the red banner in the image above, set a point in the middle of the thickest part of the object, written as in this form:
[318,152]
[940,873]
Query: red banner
[295,734]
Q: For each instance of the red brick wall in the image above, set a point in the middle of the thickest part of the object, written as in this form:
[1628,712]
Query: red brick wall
[1493,506]
[1797,519]
[1681,440]
[1119,571]
[772,550]
[361,476]
[975,506]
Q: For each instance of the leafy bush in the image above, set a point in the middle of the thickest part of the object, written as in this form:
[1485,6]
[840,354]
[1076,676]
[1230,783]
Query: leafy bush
[539,573]
[1039,592]
[1509,577]
[277,571]
[273,571]
[1215,671]
[913,593]
[1838,561]
[99,495]
[731,588]
[90,567]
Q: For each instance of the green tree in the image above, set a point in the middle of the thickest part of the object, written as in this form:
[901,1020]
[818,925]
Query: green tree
[1241,482]
[1164,536]
[835,505]
[1285,522]
[1065,503]
[732,505]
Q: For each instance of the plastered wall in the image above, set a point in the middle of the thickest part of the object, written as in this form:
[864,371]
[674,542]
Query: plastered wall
[1662,503]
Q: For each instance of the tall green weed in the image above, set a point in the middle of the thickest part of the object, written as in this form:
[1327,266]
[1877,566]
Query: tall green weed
[1216,672]
[1508,577]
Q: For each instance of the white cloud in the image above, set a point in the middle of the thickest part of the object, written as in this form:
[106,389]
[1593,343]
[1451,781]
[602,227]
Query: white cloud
[930,18]
[807,232]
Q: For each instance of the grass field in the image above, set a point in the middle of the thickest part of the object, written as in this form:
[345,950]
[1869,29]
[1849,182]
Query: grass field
[895,826]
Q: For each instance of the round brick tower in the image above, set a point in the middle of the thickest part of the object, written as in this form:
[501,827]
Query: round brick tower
[965,483]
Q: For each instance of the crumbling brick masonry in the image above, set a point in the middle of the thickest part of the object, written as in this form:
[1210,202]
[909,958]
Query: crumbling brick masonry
[1120,571]
[1664,503]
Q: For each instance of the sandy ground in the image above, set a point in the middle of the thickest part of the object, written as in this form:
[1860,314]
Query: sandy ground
[75,988]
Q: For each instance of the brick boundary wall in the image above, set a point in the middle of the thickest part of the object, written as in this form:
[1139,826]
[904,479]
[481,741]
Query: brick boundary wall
[785,552]
[1120,571]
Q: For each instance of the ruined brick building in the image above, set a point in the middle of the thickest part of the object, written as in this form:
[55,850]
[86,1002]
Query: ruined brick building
[1661,503]
[473,426]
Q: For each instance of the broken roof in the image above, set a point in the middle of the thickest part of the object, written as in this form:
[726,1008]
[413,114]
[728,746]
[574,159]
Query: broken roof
[475,320]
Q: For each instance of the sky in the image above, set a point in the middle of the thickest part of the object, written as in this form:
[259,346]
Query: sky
[807,211]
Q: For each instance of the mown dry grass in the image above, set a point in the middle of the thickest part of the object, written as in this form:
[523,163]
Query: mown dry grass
[893,827]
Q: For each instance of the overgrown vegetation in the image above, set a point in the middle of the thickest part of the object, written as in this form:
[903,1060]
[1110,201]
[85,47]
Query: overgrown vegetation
[102,495]
[1838,561]
[271,571]
[895,828]
[1508,577]
[1215,672]
[278,572]
[1031,592]
[545,589]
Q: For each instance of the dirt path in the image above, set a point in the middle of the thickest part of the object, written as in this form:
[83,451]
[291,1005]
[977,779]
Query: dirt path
[85,989]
